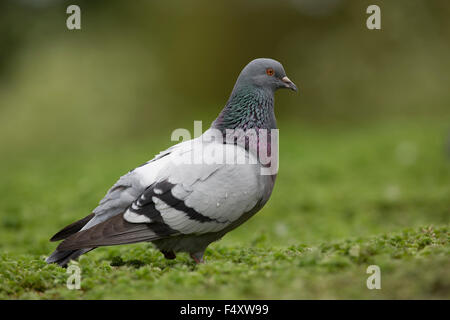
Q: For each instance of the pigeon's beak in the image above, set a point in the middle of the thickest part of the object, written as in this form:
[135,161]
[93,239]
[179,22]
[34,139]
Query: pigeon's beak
[289,84]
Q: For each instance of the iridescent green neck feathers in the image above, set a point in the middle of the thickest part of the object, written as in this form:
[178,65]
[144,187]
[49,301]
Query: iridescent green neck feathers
[248,107]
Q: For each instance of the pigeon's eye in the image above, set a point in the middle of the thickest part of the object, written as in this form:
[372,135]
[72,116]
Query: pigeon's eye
[270,72]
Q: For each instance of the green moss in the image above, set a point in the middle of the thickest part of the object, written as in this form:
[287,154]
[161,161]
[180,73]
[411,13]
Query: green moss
[337,270]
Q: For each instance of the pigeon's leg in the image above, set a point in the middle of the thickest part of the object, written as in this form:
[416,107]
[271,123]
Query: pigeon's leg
[170,255]
[198,257]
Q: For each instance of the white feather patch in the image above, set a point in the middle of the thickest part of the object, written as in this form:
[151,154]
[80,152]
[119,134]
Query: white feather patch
[133,217]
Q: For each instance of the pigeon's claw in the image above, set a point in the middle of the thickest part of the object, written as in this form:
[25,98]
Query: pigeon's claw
[198,257]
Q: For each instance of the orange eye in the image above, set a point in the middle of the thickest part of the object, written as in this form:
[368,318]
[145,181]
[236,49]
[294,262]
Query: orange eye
[270,72]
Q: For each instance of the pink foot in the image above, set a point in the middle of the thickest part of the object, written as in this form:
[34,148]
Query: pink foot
[198,257]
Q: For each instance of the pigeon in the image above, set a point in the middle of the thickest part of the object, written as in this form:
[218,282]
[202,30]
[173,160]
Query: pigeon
[195,192]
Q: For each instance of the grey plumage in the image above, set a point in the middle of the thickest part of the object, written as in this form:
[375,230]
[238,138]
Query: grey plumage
[72,228]
[184,206]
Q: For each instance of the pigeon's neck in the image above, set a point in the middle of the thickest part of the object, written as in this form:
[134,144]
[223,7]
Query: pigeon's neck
[248,107]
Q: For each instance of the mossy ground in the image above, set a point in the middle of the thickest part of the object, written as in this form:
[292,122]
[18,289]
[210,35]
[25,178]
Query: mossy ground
[344,199]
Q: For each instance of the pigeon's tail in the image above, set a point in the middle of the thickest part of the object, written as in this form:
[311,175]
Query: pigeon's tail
[72,228]
[63,257]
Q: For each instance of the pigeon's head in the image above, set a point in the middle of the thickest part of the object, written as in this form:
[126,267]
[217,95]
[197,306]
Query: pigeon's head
[265,73]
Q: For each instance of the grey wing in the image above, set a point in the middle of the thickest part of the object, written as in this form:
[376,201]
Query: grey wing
[197,199]
[117,199]
[108,227]
[128,188]
[185,199]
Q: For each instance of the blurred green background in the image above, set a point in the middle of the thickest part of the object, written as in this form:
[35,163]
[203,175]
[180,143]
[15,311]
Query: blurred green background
[365,145]
[149,66]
